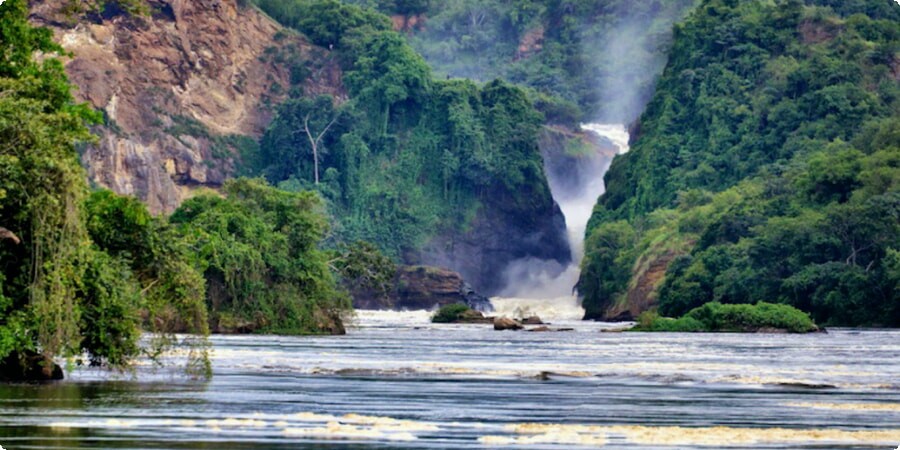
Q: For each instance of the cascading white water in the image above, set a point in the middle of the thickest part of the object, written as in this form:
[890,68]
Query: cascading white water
[543,287]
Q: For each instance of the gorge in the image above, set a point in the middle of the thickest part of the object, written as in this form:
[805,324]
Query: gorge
[227,224]
[546,288]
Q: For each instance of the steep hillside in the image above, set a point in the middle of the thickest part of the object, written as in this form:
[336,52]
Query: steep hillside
[196,92]
[433,171]
[766,168]
[184,88]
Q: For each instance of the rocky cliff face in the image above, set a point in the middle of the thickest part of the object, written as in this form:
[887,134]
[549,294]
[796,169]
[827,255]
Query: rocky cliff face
[503,231]
[179,88]
[422,287]
[573,159]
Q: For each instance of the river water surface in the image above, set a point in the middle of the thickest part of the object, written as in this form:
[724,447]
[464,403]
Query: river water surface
[397,381]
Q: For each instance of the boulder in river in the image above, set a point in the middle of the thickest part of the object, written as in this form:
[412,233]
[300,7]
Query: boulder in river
[28,367]
[505,323]
[532,320]
[460,313]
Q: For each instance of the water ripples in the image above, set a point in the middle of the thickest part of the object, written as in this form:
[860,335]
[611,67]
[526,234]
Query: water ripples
[397,381]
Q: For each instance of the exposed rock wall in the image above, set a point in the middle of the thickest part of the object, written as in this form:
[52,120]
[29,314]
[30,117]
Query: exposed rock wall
[408,24]
[503,231]
[421,287]
[173,85]
[642,293]
[573,157]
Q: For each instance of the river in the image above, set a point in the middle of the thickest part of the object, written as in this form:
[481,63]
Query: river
[397,381]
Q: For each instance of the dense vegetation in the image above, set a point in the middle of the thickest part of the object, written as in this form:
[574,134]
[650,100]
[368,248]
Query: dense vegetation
[586,60]
[767,168]
[261,259]
[450,313]
[76,277]
[408,157]
[716,317]
[84,273]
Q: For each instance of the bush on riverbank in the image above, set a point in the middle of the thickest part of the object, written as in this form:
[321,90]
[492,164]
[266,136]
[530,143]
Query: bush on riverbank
[716,317]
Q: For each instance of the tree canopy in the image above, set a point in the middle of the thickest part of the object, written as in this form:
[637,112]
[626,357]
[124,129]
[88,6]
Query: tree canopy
[765,168]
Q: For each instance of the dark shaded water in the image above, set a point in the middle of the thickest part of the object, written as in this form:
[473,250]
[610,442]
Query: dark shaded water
[398,382]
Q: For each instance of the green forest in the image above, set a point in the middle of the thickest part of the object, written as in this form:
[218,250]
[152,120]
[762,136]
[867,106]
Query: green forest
[577,58]
[766,168]
[408,157]
[67,285]
[84,271]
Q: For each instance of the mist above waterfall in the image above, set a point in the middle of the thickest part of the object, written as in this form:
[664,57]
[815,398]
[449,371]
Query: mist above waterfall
[629,55]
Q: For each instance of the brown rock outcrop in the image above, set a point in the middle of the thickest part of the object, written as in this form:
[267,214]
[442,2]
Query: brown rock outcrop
[422,287]
[505,323]
[642,293]
[531,43]
[173,85]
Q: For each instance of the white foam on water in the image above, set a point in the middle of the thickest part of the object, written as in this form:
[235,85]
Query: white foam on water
[387,319]
[565,308]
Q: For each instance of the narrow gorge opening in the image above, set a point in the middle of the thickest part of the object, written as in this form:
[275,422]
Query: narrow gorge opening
[575,173]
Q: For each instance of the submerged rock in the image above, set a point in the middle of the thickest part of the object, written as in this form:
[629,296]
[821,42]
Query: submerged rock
[546,329]
[505,323]
[28,367]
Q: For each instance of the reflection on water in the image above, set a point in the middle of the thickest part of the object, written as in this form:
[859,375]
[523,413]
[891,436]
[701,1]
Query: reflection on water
[397,381]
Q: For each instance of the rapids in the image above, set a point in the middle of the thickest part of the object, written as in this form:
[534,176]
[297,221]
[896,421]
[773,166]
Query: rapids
[398,381]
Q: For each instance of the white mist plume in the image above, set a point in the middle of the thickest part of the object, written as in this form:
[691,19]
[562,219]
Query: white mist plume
[546,288]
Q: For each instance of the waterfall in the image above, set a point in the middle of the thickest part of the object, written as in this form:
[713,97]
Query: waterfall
[543,287]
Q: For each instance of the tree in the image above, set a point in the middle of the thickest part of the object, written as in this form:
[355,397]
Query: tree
[385,72]
[61,292]
[302,126]
[316,138]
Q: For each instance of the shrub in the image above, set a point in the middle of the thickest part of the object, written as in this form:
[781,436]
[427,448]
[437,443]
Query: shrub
[716,317]
[449,313]
[652,321]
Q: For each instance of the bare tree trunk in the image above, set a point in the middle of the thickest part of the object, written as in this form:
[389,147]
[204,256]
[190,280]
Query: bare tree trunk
[314,142]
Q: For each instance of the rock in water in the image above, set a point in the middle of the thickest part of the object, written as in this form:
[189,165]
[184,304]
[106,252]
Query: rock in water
[532,320]
[28,367]
[473,316]
[505,323]
[475,300]
[545,329]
